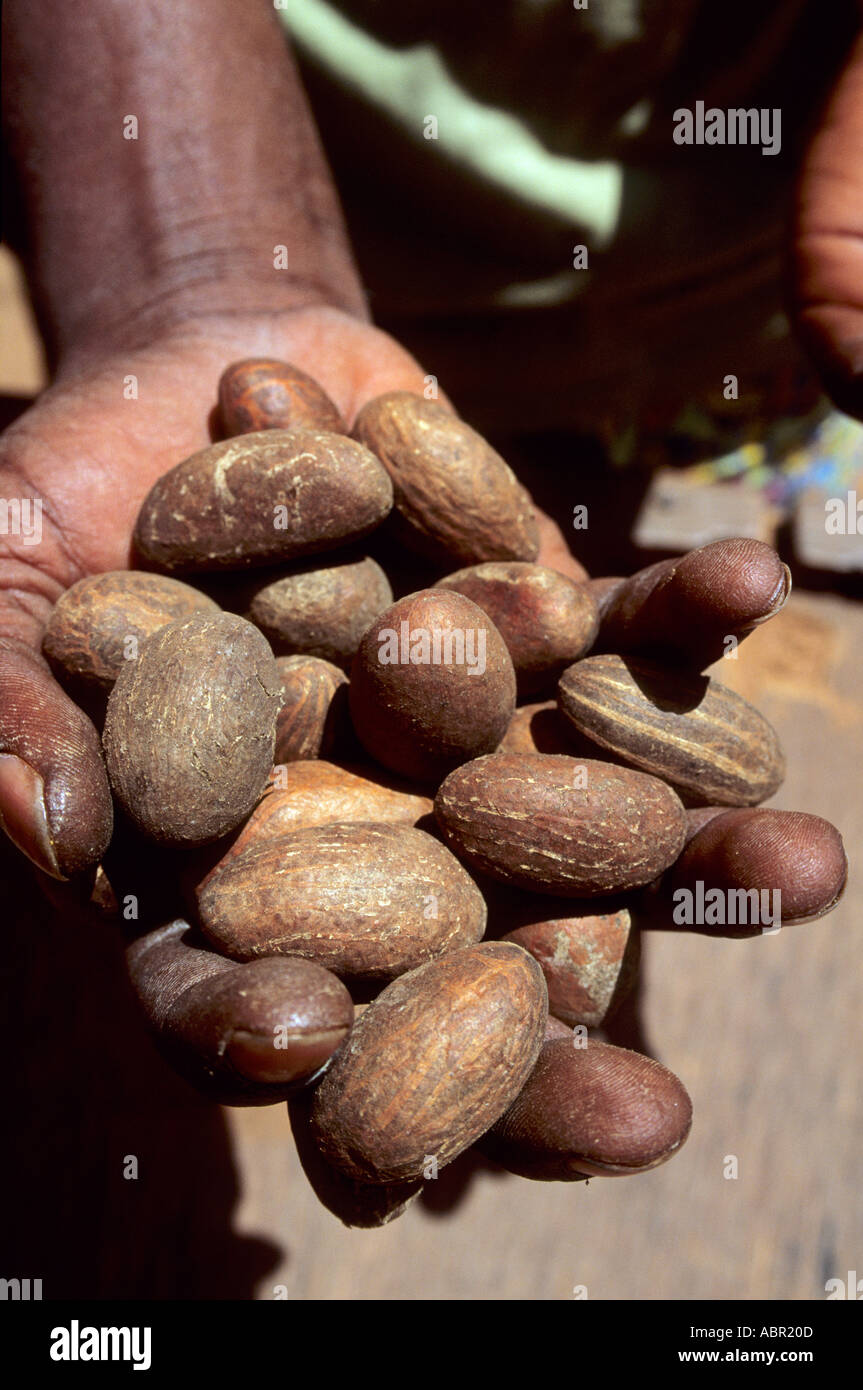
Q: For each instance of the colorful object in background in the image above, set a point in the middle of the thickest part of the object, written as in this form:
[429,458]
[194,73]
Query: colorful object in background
[785,469]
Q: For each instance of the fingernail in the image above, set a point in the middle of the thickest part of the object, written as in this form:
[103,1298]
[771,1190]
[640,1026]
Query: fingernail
[257,1059]
[778,598]
[23,815]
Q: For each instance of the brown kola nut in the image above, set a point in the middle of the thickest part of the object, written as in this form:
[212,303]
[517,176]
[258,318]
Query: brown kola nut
[567,826]
[367,901]
[100,622]
[261,498]
[431,685]
[702,738]
[589,963]
[430,1065]
[321,611]
[190,729]
[591,1110]
[262,393]
[302,795]
[453,493]
[313,719]
[306,794]
[546,619]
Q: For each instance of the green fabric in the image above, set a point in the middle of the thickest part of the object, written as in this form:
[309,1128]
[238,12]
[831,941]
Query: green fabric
[411,84]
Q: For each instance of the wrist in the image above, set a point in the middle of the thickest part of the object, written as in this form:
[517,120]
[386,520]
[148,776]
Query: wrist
[215,286]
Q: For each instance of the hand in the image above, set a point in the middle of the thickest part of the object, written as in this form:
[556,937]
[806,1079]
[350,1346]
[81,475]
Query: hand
[827,247]
[90,456]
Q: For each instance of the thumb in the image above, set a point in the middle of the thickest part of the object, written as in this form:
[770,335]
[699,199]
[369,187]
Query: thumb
[55,803]
[827,246]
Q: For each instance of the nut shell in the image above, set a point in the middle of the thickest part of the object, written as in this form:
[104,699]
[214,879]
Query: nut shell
[190,729]
[260,498]
[453,492]
[700,737]
[262,393]
[313,718]
[90,625]
[546,619]
[323,611]
[423,717]
[589,963]
[366,901]
[436,1058]
[528,819]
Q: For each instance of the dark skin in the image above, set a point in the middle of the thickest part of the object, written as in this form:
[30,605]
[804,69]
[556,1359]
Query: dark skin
[154,258]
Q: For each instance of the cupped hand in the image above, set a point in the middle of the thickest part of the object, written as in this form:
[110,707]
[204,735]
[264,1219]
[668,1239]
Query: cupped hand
[88,452]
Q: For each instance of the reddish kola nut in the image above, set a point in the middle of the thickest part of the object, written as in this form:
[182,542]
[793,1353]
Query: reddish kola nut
[431,685]
[546,619]
[262,393]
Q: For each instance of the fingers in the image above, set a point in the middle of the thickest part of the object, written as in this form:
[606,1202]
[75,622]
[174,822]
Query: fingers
[687,608]
[590,1110]
[748,871]
[55,804]
[357,1204]
[827,248]
[244,1034]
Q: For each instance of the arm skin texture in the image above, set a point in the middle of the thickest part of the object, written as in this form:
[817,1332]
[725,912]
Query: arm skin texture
[122,237]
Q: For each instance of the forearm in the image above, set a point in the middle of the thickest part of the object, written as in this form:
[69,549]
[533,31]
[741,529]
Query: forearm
[124,237]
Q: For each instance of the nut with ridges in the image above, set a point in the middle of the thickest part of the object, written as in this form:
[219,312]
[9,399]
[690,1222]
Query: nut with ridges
[190,729]
[431,685]
[431,1064]
[320,793]
[260,498]
[367,901]
[314,714]
[88,633]
[262,393]
[303,795]
[454,495]
[560,825]
[702,738]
